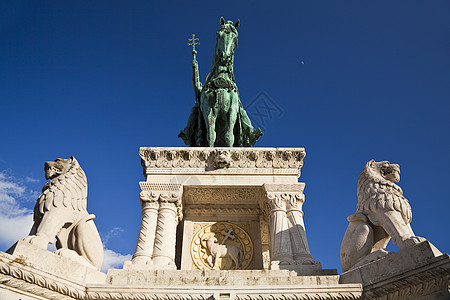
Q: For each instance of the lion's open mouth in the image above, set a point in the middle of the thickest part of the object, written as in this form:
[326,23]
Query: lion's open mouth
[51,171]
[388,172]
[391,173]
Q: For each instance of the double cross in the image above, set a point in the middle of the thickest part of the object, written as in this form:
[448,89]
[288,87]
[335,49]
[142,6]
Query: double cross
[227,234]
[194,41]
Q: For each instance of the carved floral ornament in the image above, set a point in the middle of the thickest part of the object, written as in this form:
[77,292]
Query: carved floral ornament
[220,158]
[205,195]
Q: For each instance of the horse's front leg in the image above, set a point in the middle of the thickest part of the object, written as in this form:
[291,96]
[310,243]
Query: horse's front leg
[210,120]
[232,117]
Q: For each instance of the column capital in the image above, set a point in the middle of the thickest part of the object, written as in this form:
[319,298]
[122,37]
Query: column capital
[283,197]
[167,195]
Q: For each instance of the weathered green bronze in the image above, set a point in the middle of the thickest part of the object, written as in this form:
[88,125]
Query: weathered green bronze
[218,118]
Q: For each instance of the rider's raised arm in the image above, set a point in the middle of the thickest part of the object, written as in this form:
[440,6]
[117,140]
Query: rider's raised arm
[196,84]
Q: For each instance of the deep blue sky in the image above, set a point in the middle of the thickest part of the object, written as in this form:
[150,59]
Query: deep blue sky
[356,80]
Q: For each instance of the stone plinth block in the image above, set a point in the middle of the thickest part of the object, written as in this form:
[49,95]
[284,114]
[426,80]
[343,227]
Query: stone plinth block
[20,279]
[418,272]
[231,284]
[73,268]
[223,209]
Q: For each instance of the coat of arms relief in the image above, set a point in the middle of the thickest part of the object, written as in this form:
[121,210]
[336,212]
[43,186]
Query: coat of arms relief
[221,246]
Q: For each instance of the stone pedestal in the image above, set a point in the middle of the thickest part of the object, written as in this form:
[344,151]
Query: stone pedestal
[240,208]
[71,267]
[22,280]
[230,284]
[420,272]
[33,273]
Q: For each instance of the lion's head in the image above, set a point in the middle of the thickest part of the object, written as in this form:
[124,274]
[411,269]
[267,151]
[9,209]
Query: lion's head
[377,189]
[222,158]
[57,167]
[384,169]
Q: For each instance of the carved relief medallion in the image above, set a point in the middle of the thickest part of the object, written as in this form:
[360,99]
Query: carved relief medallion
[221,246]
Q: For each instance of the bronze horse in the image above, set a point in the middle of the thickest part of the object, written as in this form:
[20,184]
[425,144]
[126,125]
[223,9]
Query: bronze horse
[218,118]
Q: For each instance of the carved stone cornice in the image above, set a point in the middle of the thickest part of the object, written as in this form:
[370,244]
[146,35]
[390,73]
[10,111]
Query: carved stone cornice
[198,160]
[284,188]
[146,186]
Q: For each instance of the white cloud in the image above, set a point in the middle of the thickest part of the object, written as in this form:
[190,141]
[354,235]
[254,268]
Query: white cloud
[31,179]
[14,228]
[15,219]
[113,259]
[116,231]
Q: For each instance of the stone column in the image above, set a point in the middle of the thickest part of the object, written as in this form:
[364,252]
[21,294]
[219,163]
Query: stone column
[144,246]
[280,241]
[168,216]
[161,212]
[300,248]
[289,248]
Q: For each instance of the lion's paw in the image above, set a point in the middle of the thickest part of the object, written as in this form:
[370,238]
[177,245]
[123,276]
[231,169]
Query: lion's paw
[36,240]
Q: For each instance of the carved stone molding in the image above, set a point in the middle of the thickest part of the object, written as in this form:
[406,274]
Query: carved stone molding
[19,275]
[146,186]
[219,158]
[198,195]
[222,210]
[418,272]
[411,287]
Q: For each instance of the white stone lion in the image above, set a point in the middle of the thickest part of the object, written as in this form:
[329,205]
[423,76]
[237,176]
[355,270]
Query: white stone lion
[60,213]
[382,213]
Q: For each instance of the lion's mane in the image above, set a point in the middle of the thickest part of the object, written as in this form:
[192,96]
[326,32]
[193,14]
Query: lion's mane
[67,189]
[375,192]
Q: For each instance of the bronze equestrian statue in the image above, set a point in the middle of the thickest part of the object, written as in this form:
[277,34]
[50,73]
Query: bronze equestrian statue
[218,118]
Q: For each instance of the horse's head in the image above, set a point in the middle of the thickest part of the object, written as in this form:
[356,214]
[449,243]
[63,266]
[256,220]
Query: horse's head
[227,39]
